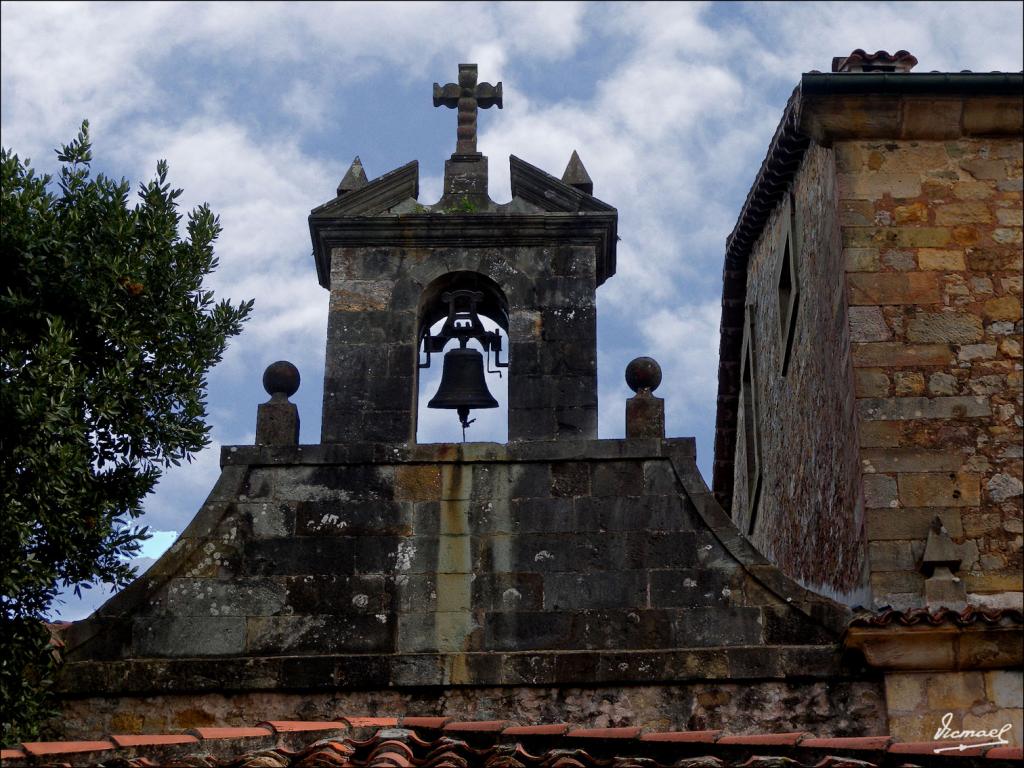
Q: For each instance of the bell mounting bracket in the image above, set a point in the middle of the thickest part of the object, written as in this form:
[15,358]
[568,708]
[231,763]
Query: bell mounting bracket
[463,323]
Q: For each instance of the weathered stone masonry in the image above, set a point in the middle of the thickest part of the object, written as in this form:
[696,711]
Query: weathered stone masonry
[932,244]
[557,577]
[453,576]
[910,365]
[809,514]
[902,195]
[870,380]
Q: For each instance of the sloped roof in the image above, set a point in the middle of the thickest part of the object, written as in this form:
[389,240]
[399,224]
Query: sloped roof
[436,742]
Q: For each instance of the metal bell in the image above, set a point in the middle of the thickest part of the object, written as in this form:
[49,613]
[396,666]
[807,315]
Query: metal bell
[462,383]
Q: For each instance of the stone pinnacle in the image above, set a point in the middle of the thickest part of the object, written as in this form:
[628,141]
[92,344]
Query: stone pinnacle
[355,178]
[576,175]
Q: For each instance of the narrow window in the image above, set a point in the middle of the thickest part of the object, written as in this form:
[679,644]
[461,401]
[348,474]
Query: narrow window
[788,285]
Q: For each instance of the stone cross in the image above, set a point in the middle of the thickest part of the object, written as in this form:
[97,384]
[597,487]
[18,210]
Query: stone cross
[467,95]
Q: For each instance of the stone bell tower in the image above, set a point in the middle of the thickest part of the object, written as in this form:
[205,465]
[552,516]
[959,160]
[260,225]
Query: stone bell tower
[557,576]
[389,260]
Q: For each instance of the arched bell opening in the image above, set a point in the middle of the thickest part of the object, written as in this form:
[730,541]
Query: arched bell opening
[462,342]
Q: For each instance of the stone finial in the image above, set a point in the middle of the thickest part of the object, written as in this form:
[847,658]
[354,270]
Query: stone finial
[879,61]
[576,175]
[355,178]
[277,420]
[940,551]
[645,413]
[942,589]
[468,96]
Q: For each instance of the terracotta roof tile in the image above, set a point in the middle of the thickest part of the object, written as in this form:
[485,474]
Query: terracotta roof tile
[230,733]
[604,733]
[764,739]
[372,722]
[478,726]
[682,737]
[391,753]
[40,748]
[970,615]
[429,723]
[876,743]
[493,744]
[152,740]
[551,729]
[929,747]
[1005,753]
[296,726]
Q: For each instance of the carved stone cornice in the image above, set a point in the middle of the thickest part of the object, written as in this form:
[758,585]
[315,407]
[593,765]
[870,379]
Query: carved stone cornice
[944,640]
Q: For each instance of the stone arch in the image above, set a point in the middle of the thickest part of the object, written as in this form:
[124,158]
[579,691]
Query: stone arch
[432,308]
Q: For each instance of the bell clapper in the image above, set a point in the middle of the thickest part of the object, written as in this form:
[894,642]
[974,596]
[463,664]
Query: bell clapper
[466,421]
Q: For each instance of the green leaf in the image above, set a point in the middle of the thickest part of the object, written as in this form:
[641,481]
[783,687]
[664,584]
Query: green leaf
[106,336]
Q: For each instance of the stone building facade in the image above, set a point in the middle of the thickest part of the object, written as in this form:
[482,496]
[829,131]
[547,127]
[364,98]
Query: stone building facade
[870,380]
[563,578]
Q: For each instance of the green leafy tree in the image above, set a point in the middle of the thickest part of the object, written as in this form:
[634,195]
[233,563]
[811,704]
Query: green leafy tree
[106,336]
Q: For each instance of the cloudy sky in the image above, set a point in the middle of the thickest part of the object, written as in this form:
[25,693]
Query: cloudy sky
[260,107]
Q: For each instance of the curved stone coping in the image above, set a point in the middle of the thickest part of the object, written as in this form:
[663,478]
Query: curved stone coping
[236,461]
[419,670]
[820,609]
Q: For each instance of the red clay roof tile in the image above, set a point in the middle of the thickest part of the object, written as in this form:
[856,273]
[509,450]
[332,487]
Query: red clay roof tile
[296,726]
[551,729]
[405,748]
[479,726]
[393,753]
[1006,753]
[604,733]
[764,739]
[39,748]
[230,733]
[682,737]
[152,740]
[372,722]
[929,747]
[430,723]
[969,615]
[877,743]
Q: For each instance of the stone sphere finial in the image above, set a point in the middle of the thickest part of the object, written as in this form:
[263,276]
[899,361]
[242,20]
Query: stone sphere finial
[281,378]
[643,373]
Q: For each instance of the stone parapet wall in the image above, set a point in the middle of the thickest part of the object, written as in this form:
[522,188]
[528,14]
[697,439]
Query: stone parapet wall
[452,549]
[931,234]
[343,568]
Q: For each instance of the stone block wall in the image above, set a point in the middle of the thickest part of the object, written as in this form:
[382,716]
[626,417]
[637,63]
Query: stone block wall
[919,703]
[931,234]
[458,575]
[809,515]
[436,554]
[371,376]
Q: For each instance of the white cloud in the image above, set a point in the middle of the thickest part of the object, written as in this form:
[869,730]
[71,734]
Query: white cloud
[182,490]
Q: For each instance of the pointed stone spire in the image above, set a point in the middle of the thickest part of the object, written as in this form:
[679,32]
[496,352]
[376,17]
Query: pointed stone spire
[576,175]
[355,178]
[939,551]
